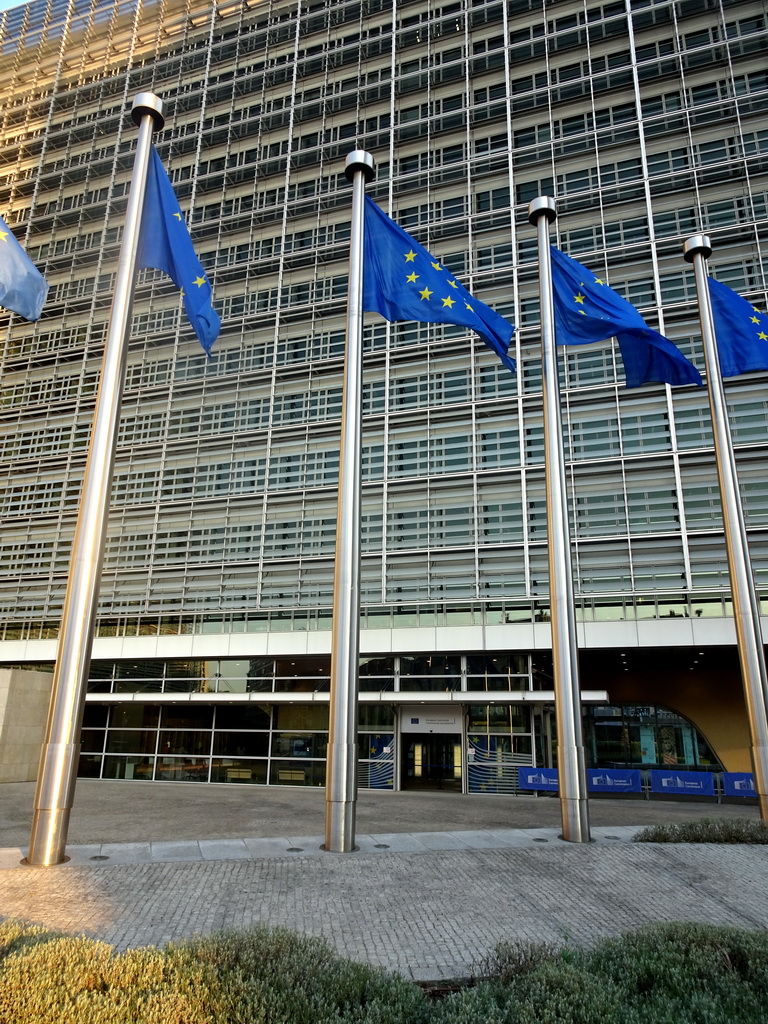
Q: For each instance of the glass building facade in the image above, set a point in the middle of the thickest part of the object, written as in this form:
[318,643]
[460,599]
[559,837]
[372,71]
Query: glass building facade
[646,120]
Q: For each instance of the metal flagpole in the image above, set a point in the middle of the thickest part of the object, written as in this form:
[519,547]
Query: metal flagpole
[55,789]
[570,748]
[341,783]
[746,611]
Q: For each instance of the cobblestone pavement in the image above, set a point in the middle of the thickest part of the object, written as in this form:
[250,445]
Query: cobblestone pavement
[437,881]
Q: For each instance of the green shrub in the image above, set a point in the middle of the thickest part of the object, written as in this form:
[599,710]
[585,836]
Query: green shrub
[509,960]
[51,979]
[689,972]
[276,976]
[257,976]
[665,974]
[707,830]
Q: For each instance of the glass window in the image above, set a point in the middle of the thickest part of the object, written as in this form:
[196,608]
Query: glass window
[186,717]
[291,744]
[242,716]
[239,770]
[184,742]
[297,773]
[375,716]
[301,716]
[241,744]
[135,716]
[131,741]
[95,715]
[138,768]
[181,769]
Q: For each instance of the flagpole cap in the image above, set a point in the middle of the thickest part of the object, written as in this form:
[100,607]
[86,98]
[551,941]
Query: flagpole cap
[359,160]
[147,103]
[697,245]
[542,205]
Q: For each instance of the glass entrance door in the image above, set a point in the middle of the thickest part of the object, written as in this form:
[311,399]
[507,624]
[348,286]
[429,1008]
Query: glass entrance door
[431,762]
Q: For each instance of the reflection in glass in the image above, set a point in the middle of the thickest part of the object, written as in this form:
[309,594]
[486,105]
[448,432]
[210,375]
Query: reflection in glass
[182,769]
[139,768]
[297,773]
[241,744]
[238,770]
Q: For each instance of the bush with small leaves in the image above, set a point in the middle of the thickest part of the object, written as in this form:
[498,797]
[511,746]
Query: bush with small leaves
[511,959]
[277,976]
[63,980]
[707,830]
[665,974]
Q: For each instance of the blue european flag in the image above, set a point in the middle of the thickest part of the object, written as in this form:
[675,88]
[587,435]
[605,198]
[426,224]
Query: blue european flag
[402,281]
[165,245]
[22,287]
[587,310]
[741,329]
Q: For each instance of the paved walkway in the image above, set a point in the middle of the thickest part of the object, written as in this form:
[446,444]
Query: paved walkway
[426,902]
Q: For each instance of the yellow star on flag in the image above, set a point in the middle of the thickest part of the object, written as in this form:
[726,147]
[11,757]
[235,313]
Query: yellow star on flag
[579,298]
[199,281]
[177,216]
[453,284]
[412,278]
[449,302]
[467,306]
[410,256]
[3,235]
[425,294]
[754,319]
[437,266]
[763,336]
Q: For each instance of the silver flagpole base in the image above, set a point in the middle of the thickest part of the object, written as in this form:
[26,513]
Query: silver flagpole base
[48,837]
[340,830]
[575,818]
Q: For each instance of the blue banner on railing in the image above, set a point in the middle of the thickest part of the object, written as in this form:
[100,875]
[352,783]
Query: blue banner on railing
[688,783]
[537,778]
[615,780]
[738,784]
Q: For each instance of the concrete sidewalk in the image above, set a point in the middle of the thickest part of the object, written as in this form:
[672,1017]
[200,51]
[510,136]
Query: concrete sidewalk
[437,881]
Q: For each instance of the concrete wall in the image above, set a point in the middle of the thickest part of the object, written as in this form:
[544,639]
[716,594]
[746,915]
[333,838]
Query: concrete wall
[24,698]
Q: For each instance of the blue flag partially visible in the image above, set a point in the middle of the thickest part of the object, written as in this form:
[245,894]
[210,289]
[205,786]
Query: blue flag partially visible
[741,329]
[403,282]
[22,287]
[586,310]
[165,245]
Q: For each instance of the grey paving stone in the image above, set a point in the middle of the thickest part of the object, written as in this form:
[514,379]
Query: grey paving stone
[479,840]
[400,842]
[267,847]
[165,851]
[127,853]
[10,857]
[366,843]
[307,844]
[439,841]
[223,849]
[84,854]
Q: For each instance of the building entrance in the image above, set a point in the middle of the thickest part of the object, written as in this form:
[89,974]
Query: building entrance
[431,761]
